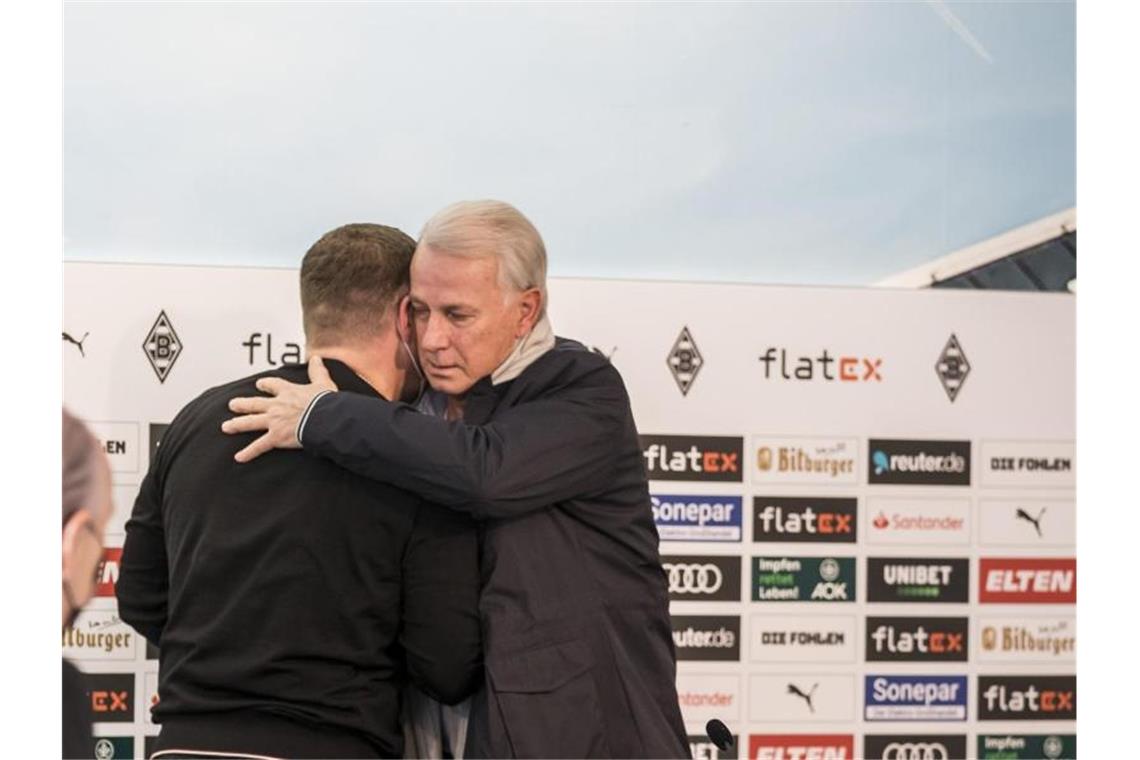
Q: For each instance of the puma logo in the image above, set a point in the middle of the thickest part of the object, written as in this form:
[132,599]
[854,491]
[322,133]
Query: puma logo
[793,689]
[78,343]
[1023,515]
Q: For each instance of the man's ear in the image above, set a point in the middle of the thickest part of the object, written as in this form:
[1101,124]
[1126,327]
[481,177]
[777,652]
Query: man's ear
[404,318]
[530,304]
[82,551]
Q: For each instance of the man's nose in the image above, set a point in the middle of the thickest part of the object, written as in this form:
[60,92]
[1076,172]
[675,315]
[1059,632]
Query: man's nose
[434,335]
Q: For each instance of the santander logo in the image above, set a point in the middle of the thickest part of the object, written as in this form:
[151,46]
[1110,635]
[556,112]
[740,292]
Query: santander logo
[881,522]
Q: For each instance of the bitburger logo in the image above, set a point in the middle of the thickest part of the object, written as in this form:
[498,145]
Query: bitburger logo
[805,460]
[1025,639]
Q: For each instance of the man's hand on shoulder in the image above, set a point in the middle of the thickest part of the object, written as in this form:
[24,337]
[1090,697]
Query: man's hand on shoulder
[279,413]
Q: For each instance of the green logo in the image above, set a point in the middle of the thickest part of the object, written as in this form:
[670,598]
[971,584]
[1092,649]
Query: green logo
[803,579]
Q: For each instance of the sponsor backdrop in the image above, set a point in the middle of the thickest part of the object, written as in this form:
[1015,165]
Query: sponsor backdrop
[865,497]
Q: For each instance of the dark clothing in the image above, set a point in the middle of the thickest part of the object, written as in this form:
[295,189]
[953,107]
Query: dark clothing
[577,635]
[291,590]
[77,740]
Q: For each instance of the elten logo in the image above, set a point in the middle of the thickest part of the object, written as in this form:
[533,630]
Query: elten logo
[690,457]
[107,573]
[162,346]
[77,343]
[850,368]
[952,368]
[1027,580]
[801,747]
[685,361]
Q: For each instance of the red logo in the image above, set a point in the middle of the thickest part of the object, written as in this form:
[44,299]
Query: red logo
[881,521]
[801,747]
[107,573]
[1028,580]
[110,701]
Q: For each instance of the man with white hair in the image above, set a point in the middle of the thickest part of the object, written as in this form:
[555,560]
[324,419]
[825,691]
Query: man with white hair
[533,436]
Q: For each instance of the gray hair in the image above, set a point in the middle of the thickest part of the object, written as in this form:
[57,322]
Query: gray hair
[85,469]
[491,228]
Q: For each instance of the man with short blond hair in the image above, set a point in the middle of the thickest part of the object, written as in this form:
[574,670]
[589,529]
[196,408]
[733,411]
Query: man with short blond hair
[533,436]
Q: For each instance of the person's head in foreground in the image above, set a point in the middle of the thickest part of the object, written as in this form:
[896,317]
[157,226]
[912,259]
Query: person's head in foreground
[478,289]
[87,507]
[352,282]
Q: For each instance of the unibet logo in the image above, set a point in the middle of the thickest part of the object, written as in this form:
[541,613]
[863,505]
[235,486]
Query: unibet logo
[850,368]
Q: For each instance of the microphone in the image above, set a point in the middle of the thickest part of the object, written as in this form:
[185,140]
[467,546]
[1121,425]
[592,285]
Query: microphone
[719,734]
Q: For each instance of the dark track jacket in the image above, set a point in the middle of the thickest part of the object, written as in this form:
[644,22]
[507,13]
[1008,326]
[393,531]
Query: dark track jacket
[290,598]
[577,636]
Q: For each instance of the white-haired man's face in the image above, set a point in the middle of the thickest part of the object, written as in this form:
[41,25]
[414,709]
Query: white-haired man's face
[466,323]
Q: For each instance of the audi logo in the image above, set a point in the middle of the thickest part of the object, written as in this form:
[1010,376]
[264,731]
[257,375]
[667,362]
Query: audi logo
[915,751]
[693,578]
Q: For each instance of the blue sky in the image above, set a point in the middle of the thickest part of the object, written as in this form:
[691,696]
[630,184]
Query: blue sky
[818,143]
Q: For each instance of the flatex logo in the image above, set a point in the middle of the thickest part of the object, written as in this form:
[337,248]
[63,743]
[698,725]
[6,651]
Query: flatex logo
[904,698]
[801,520]
[707,637]
[918,463]
[778,364]
[685,361]
[1028,580]
[691,457]
[1027,697]
[805,461]
[952,368]
[1027,746]
[162,347]
[109,696]
[260,351]
[918,579]
[801,747]
[803,579]
[917,639]
[703,578]
[698,518]
[702,748]
[914,747]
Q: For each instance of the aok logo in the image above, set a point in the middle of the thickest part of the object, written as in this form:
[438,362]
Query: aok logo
[703,578]
[1027,698]
[803,579]
[1028,580]
[688,457]
[1035,746]
[110,696]
[913,747]
[932,463]
[792,519]
[848,369]
[107,573]
[917,639]
[801,747]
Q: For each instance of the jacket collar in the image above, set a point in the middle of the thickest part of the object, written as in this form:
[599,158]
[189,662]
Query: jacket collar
[527,350]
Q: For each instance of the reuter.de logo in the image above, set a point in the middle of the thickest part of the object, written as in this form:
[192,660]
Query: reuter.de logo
[917,639]
[707,637]
[914,747]
[703,578]
[107,573]
[800,520]
[918,579]
[918,463]
[1028,580]
[698,518]
[851,368]
[109,696]
[1027,697]
[691,457]
[801,747]
[807,461]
